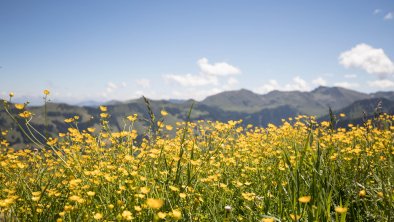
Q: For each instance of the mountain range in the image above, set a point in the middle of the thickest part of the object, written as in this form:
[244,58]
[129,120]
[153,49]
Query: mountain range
[252,108]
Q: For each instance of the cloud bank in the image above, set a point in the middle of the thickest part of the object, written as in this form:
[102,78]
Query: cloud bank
[382,84]
[209,74]
[217,69]
[297,83]
[365,57]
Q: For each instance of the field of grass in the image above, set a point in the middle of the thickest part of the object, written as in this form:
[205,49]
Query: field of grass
[301,170]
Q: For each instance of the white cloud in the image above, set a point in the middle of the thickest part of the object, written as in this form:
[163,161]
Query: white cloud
[192,80]
[377,11]
[195,93]
[347,85]
[350,76]
[139,93]
[111,87]
[209,74]
[201,91]
[389,16]
[319,81]
[217,69]
[144,83]
[382,83]
[232,81]
[372,60]
[297,84]
[270,86]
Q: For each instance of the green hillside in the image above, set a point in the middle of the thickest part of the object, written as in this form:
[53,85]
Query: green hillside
[252,108]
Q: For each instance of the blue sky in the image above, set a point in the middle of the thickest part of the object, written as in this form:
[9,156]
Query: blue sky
[103,50]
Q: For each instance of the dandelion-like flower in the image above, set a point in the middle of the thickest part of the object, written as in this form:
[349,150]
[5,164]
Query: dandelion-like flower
[295,217]
[132,118]
[161,215]
[19,106]
[341,210]
[362,193]
[103,115]
[51,141]
[98,216]
[304,199]
[103,108]
[154,203]
[127,215]
[25,114]
[144,190]
[176,214]
[164,113]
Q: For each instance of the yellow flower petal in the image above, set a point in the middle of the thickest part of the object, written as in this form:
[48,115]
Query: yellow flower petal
[154,203]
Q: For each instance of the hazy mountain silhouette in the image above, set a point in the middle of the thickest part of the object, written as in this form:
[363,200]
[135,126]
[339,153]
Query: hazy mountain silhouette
[252,108]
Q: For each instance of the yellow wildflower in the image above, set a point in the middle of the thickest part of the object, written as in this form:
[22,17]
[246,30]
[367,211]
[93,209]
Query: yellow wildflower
[103,108]
[46,92]
[154,203]
[295,217]
[248,196]
[164,113]
[51,141]
[144,190]
[69,120]
[132,118]
[98,216]
[91,129]
[19,106]
[127,215]
[341,210]
[304,199]
[25,114]
[173,188]
[362,193]
[161,215]
[176,214]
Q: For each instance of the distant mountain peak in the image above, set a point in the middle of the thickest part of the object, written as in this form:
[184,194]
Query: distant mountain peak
[327,89]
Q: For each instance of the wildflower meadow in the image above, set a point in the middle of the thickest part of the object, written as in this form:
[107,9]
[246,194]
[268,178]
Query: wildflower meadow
[300,170]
